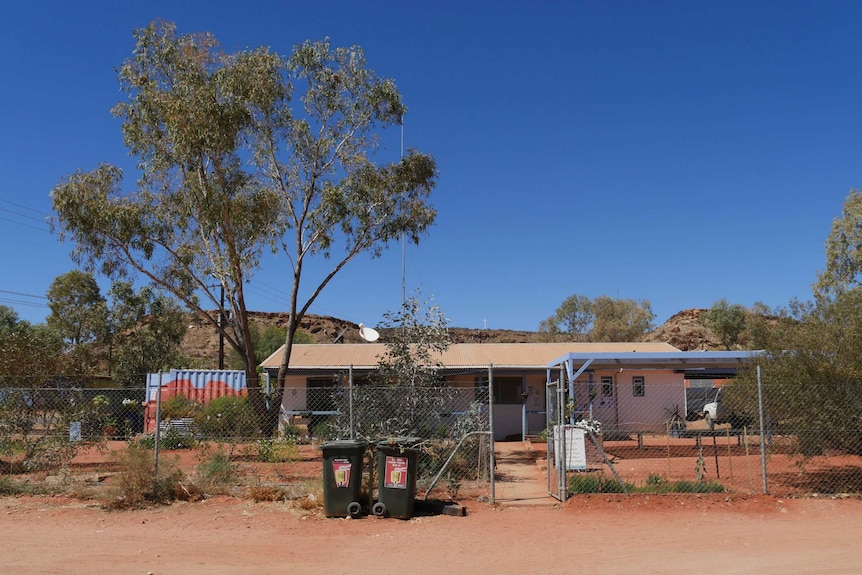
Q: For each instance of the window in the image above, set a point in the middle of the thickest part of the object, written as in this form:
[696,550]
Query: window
[638,386]
[607,387]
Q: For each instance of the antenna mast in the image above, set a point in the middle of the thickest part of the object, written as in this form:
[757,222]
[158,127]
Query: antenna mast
[403,237]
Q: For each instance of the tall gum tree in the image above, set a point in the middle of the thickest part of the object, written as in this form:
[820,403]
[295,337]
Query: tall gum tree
[233,163]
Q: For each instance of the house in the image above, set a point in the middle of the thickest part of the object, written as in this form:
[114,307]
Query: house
[627,386]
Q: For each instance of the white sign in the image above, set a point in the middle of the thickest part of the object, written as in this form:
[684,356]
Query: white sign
[576,453]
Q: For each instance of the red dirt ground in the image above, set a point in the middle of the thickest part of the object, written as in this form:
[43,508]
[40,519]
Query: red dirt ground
[722,533]
[595,534]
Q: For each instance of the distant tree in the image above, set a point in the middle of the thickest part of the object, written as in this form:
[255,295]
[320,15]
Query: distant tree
[843,249]
[267,340]
[8,318]
[727,321]
[620,319]
[574,316]
[78,315]
[147,332]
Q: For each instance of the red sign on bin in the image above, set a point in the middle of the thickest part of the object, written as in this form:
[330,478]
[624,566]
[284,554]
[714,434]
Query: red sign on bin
[396,473]
[341,472]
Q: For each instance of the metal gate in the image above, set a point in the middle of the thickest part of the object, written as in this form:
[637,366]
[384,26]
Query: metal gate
[556,401]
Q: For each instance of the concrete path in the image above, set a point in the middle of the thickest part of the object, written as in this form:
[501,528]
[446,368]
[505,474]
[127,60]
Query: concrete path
[521,477]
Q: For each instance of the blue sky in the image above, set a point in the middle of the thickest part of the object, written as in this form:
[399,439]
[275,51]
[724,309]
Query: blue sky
[676,152]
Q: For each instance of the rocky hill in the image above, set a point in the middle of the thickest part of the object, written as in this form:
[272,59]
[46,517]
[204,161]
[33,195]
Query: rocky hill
[683,331]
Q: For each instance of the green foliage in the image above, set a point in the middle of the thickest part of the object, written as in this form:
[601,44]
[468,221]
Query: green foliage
[277,450]
[136,483]
[180,406]
[620,319]
[233,164]
[602,319]
[78,310]
[727,321]
[266,340]
[8,319]
[811,375]
[217,470]
[594,483]
[574,316]
[843,249]
[228,417]
[170,439]
[415,335]
[35,421]
[147,330]
[658,484]
[9,486]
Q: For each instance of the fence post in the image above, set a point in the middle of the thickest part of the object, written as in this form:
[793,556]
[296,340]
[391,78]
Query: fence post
[762,436]
[350,400]
[491,460]
[157,434]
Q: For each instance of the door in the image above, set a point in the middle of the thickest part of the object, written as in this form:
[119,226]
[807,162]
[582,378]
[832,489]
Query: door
[605,403]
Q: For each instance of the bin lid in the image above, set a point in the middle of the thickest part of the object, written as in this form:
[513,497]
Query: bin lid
[343,443]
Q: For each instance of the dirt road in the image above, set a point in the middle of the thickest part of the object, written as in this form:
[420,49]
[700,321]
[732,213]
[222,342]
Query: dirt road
[590,534]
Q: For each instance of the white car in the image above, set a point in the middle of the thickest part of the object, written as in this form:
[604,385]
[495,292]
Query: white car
[715,414]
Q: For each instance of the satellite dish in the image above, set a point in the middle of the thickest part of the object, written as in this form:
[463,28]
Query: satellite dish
[368,334]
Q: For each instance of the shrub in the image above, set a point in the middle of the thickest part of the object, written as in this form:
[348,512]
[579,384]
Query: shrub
[170,439]
[594,483]
[277,450]
[135,484]
[180,406]
[227,417]
[217,470]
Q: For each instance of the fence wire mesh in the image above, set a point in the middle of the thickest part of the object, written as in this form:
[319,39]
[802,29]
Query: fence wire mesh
[739,435]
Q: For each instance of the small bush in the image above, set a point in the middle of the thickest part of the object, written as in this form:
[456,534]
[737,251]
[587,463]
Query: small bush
[170,439]
[11,487]
[277,450]
[228,417]
[135,484]
[180,406]
[594,483]
[217,470]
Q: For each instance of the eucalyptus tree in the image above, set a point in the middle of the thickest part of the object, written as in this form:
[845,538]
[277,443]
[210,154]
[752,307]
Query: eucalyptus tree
[843,249]
[727,320]
[240,154]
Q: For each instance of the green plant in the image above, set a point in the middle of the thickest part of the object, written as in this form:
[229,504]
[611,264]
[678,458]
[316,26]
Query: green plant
[594,483]
[217,470]
[137,484]
[228,417]
[277,450]
[180,406]
[170,439]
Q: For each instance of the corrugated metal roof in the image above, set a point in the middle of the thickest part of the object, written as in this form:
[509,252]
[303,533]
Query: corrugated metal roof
[459,355]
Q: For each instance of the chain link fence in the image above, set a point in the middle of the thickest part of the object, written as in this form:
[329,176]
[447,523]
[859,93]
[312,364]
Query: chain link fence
[740,436]
[629,434]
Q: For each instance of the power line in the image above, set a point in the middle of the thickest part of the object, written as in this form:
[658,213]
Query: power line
[23,294]
[34,210]
[45,229]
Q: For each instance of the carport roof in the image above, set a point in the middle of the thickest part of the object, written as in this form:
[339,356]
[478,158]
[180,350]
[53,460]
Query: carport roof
[726,362]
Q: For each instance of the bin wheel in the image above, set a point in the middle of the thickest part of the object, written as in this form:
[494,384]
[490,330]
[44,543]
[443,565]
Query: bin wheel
[354,509]
[379,509]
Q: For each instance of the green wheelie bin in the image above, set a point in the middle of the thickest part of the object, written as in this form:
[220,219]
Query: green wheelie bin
[396,476]
[342,477]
